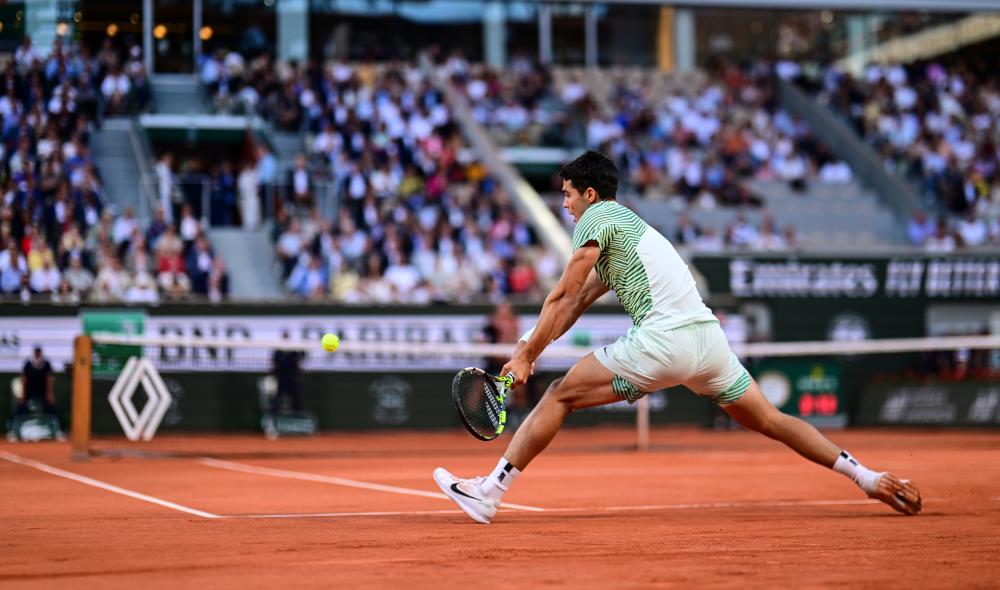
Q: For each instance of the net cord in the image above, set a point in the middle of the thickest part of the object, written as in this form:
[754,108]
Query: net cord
[756,349]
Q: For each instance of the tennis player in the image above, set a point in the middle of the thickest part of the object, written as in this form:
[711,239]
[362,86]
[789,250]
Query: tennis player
[674,340]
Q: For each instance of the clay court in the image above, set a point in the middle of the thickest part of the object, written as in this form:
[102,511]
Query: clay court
[702,508]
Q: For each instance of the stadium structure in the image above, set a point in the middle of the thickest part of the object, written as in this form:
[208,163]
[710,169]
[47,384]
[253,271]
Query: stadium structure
[196,191]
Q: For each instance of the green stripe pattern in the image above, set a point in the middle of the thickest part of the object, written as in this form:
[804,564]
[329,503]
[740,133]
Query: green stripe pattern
[734,391]
[625,389]
[617,231]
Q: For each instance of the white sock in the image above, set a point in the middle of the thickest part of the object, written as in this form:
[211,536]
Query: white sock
[497,482]
[861,475]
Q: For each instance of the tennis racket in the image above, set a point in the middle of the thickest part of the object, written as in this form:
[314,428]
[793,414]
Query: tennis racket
[480,399]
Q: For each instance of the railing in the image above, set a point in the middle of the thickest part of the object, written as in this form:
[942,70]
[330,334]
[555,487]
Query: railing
[142,153]
[842,140]
[547,225]
[197,191]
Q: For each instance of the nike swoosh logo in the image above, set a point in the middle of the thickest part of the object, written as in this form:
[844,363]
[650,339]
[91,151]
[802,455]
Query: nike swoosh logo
[454,488]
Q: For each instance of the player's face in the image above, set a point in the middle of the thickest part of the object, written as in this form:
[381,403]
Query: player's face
[574,201]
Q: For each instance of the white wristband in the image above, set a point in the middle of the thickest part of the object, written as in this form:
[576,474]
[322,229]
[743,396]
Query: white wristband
[527,335]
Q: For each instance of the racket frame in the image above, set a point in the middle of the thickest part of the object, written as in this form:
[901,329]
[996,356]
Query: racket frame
[499,386]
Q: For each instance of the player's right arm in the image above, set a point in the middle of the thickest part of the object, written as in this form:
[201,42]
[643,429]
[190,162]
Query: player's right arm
[559,307]
[593,289]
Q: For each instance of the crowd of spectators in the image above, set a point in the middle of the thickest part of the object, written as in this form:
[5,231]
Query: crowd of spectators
[59,237]
[419,219]
[740,234]
[937,126]
[701,142]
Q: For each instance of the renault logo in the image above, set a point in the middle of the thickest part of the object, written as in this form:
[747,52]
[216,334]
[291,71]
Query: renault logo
[139,424]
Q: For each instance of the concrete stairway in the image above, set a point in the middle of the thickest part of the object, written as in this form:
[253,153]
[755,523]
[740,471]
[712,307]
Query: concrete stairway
[845,216]
[115,157]
[178,94]
[250,262]
[286,146]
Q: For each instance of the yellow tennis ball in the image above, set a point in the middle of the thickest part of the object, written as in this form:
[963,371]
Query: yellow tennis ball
[330,342]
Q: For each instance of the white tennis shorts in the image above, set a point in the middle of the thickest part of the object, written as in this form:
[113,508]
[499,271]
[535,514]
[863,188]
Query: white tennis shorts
[697,356]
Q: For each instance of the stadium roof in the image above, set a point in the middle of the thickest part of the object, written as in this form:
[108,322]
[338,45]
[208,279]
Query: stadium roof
[855,5]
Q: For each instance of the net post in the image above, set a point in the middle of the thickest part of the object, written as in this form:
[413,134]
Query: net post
[81,405]
[642,423]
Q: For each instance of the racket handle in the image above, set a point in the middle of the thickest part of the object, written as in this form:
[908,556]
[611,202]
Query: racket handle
[507,379]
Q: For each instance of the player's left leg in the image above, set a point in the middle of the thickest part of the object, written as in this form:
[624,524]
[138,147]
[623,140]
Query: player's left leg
[755,412]
[587,384]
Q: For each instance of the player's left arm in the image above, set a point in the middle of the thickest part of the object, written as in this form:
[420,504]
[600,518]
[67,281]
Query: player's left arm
[560,305]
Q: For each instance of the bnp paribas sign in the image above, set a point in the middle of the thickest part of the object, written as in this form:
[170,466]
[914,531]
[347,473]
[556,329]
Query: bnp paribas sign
[854,278]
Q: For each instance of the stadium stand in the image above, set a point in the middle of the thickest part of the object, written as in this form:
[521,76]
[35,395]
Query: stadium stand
[420,219]
[934,124]
[715,150]
[61,237]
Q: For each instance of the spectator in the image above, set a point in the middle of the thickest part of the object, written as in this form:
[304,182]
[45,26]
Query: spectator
[919,229]
[301,183]
[768,240]
[115,89]
[45,280]
[38,385]
[289,247]
[78,277]
[157,227]
[199,265]
[190,228]
[710,241]
[972,230]
[142,290]
[165,186]
[66,293]
[124,227]
[223,195]
[13,266]
[218,281]
[942,241]
[112,282]
[248,185]
[308,279]
[267,167]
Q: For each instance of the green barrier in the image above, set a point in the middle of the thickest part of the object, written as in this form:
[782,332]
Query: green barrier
[931,404]
[233,402]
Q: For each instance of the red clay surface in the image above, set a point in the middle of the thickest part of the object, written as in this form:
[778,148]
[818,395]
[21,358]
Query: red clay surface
[702,509]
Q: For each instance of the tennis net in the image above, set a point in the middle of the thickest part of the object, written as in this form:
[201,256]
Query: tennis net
[197,396]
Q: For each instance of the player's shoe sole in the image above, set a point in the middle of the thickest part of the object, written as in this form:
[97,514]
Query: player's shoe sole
[467,496]
[900,494]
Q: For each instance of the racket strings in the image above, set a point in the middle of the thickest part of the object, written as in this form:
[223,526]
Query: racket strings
[479,402]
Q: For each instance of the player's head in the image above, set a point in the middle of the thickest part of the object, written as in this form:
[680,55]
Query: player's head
[588,179]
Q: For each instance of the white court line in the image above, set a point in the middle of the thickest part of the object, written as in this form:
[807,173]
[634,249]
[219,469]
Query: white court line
[337,481]
[104,486]
[688,506]
[340,514]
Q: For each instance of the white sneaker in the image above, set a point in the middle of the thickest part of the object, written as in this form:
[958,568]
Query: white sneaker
[466,493]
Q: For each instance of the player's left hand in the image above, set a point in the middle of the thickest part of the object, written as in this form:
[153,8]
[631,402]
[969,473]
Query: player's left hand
[521,368]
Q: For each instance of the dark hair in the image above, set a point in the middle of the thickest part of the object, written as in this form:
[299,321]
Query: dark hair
[592,170]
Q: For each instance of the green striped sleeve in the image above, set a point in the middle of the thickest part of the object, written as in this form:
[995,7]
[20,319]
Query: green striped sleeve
[597,226]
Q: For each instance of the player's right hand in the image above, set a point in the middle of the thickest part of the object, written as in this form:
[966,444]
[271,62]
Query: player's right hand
[521,368]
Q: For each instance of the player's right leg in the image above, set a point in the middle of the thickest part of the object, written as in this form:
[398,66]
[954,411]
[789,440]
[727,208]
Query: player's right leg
[587,384]
[754,411]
